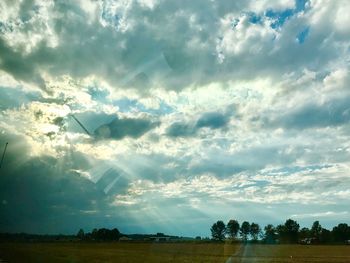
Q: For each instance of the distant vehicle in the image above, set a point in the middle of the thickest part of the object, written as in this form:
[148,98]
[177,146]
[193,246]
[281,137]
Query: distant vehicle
[308,241]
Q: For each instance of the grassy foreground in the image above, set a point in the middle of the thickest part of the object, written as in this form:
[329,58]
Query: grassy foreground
[168,252]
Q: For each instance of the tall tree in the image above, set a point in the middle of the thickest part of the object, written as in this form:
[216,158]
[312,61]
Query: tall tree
[218,230]
[232,228]
[270,235]
[255,230]
[114,234]
[341,232]
[289,231]
[245,230]
[81,234]
[94,234]
[326,236]
[316,230]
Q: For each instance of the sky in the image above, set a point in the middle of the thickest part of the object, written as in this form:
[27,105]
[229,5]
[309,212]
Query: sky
[193,112]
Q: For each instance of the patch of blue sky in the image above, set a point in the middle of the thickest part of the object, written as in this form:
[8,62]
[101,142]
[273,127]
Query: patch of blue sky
[127,105]
[300,5]
[280,17]
[254,18]
[165,108]
[13,98]
[302,36]
[99,95]
[261,183]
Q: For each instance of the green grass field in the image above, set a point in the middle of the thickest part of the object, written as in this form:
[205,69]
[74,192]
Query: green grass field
[168,252]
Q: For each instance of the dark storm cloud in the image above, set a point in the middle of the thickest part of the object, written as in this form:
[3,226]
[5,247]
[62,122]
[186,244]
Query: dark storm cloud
[45,195]
[331,113]
[120,128]
[18,65]
[211,120]
[38,192]
[179,129]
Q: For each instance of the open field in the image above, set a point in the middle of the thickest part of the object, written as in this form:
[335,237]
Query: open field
[169,252]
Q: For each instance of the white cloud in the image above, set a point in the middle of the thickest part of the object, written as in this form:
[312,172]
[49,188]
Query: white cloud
[24,28]
[151,4]
[329,17]
[240,36]
[263,5]
[337,79]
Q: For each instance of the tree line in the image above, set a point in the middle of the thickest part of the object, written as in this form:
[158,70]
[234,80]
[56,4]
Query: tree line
[289,232]
[102,234]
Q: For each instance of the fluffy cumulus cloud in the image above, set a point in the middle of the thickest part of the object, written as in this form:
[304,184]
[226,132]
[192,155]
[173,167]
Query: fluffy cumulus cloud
[179,111]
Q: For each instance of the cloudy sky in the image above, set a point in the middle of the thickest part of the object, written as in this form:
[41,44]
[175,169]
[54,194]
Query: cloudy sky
[191,112]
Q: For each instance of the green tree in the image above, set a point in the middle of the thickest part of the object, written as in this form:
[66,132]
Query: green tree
[232,228]
[255,231]
[270,235]
[114,234]
[316,230]
[218,230]
[94,234]
[326,236]
[341,232]
[304,233]
[288,232]
[245,230]
[81,234]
